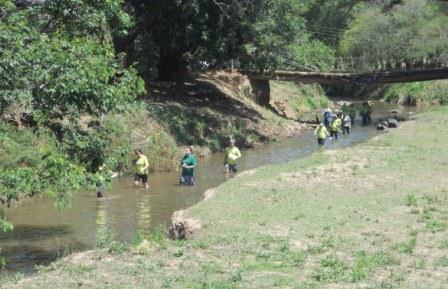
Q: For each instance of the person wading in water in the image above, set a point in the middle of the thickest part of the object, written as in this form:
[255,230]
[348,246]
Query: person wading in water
[322,133]
[335,127]
[141,169]
[188,164]
[232,155]
[346,123]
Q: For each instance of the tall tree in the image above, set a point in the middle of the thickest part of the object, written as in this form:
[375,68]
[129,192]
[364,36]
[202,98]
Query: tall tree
[411,33]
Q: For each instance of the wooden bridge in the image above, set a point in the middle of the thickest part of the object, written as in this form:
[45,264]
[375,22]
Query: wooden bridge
[261,87]
[368,78]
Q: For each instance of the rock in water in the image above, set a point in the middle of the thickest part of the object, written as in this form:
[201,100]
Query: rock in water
[392,123]
[380,126]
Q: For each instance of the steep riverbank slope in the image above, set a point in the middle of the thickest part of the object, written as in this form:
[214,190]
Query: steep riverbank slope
[371,216]
[218,105]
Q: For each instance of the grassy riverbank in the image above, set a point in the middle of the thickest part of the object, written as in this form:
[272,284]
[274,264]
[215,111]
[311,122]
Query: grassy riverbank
[371,216]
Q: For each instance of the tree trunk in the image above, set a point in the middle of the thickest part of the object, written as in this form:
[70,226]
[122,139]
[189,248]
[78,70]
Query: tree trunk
[180,79]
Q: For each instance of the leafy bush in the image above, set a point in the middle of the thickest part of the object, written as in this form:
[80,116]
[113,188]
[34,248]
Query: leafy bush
[431,92]
[33,163]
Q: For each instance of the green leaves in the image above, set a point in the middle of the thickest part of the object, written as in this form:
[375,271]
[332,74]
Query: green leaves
[79,77]
[56,68]
[32,164]
[412,33]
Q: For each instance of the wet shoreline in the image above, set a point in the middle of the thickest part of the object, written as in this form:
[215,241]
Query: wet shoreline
[43,234]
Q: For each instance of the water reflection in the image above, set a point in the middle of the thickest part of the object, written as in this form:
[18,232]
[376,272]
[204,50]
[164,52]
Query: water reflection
[144,215]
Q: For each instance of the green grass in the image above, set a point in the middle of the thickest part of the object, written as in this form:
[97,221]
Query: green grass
[425,92]
[303,101]
[311,223]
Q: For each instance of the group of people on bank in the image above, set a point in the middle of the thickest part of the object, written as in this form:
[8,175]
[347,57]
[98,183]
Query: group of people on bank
[187,165]
[334,123]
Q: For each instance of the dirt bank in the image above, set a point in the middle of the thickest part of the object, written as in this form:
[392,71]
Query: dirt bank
[218,105]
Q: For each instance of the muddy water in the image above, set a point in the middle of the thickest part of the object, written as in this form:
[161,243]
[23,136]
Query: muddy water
[42,233]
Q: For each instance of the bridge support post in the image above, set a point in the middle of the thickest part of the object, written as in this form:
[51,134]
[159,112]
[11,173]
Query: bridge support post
[261,91]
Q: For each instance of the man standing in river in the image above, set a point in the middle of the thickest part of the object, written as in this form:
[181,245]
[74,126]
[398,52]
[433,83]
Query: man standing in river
[188,164]
[231,157]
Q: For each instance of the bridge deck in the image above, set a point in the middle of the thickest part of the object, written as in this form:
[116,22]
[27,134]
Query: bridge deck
[370,78]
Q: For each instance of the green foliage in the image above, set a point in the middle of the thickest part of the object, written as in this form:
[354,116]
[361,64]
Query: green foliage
[407,247]
[331,269]
[303,99]
[310,54]
[327,19]
[202,126]
[57,69]
[134,129]
[106,240]
[159,237]
[410,33]
[5,226]
[410,200]
[441,262]
[64,73]
[87,17]
[276,24]
[432,92]
[364,264]
[33,164]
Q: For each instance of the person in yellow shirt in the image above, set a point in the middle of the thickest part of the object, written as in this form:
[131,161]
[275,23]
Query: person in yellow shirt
[231,157]
[335,127]
[322,133]
[141,168]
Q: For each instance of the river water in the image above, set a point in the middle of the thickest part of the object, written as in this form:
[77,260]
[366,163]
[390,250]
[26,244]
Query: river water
[43,233]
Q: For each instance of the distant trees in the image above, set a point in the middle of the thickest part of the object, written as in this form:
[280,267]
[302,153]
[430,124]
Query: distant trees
[170,37]
[409,33]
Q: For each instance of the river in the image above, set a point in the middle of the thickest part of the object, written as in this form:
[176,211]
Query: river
[43,233]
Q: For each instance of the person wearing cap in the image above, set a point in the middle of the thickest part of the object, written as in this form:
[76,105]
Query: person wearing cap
[322,133]
[231,157]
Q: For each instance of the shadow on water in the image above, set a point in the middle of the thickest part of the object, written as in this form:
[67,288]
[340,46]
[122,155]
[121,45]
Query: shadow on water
[32,233]
[25,257]
[28,245]
[43,233]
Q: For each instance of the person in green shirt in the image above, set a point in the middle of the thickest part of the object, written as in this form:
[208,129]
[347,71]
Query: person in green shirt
[231,157]
[141,168]
[188,165]
[322,133]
